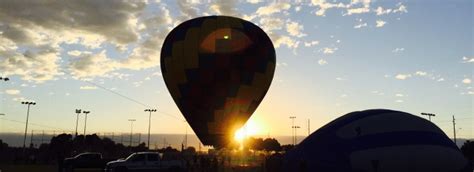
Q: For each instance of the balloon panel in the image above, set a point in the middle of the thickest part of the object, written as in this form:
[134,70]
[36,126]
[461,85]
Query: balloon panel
[217,69]
[377,140]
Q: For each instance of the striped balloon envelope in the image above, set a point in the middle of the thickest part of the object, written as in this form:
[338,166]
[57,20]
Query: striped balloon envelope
[377,141]
[218,70]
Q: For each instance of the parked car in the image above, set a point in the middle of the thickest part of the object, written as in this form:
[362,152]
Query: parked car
[85,160]
[144,161]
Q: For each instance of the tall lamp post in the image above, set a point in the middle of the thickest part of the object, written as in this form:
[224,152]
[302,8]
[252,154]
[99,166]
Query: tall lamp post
[131,130]
[27,117]
[428,114]
[296,134]
[293,129]
[149,124]
[78,111]
[85,121]
[2,114]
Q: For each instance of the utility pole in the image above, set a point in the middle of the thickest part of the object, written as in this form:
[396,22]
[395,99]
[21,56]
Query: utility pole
[85,122]
[149,125]
[186,136]
[293,128]
[429,115]
[28,103]
[296,133]
[1,114]
[454,129]
[78,111]
[131,130]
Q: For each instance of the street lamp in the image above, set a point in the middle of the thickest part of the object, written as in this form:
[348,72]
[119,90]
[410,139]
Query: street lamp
[131,130]
[78,111]
[296,135]
[27,117]
[149,124]
[85,121]
[293,129]
[428,114]
[2,114]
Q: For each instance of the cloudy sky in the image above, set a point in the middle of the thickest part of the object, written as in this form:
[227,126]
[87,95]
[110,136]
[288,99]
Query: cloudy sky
[333,57]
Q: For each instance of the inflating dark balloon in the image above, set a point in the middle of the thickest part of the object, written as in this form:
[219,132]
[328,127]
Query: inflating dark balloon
[217,69]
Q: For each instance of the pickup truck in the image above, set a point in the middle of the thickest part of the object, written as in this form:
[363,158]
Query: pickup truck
[144,161]
[84,160]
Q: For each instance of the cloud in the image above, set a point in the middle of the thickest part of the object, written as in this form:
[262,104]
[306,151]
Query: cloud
[279,40]
[399,95]
[401,8]
[402,76]
[224,7]
[380,11]
[467,59]
[88,87]
[380,23]
[38,66]
[12,91]
[322,62]
[295,29]
[440,79]
[396,50]
[84,16]
[271,23]
[92,65]
[361,25]
[78,53]
[297,8]
[310,44]
[466,81]
[254,1]
[378,93]
[398,101]
[33,38]
[327,50]
[357,10]
[272,8]
[420,73]
[324,6]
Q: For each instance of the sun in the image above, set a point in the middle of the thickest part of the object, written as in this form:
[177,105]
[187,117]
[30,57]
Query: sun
[251,128]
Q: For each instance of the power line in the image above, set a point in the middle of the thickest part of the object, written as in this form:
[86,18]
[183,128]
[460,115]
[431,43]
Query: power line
[131,99]
[39,125]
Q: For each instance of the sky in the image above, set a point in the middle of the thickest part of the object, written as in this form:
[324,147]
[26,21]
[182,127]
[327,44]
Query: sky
[333,57]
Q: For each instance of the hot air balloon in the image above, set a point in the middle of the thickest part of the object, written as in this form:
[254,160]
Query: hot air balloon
[377,140]
[218,70]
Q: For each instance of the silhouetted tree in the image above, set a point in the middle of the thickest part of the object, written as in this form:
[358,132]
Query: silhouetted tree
[271,144]
[255,143]
[287,148]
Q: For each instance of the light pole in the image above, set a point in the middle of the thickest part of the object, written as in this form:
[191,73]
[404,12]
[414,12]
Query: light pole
[149,124]
[293,129]
[78,111]
[27,116]
[131,130]
[296,133]
[428,114]
[2,114]
[85,121]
